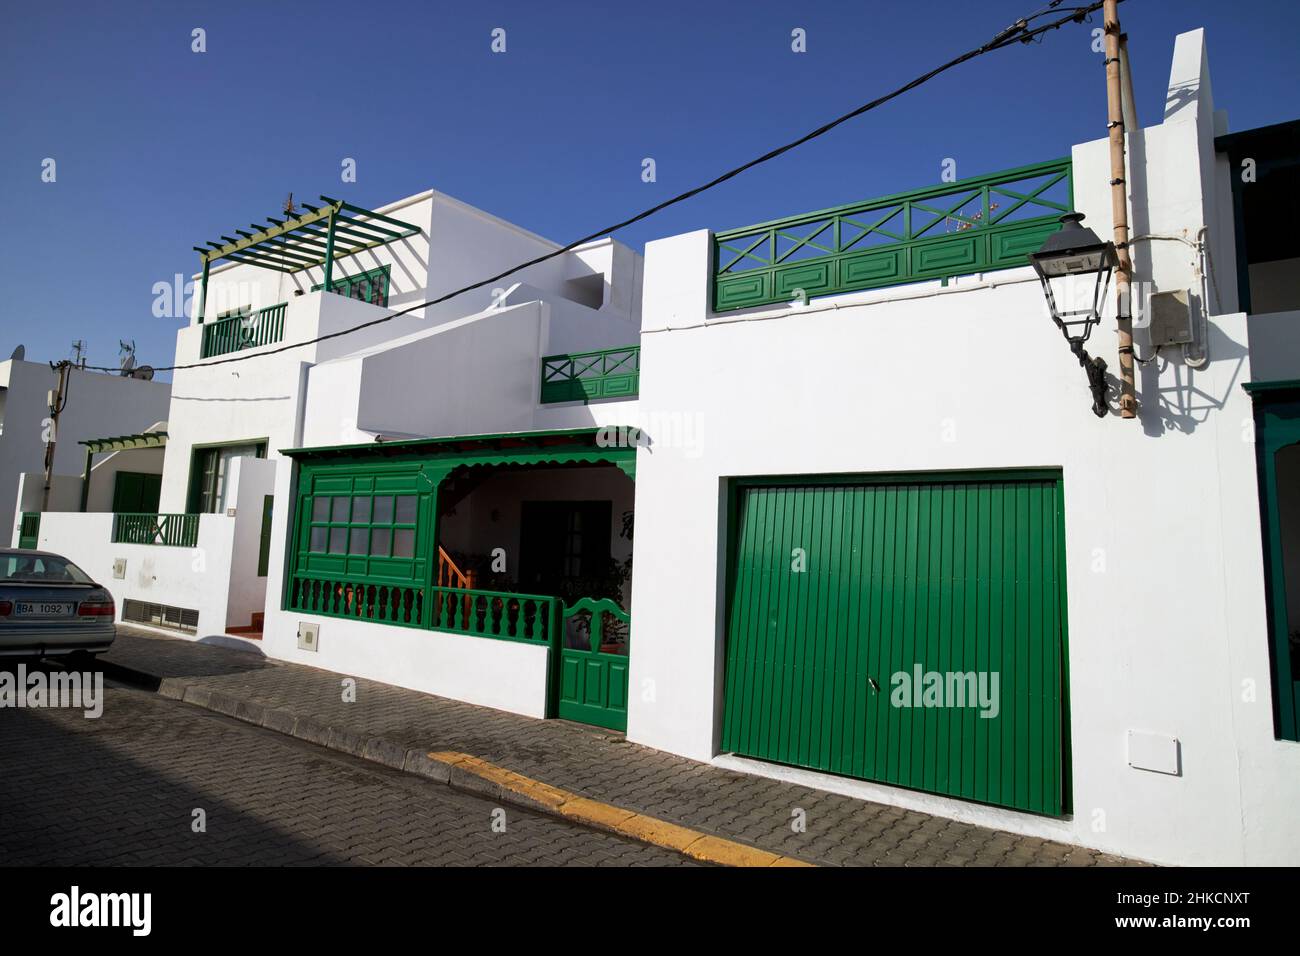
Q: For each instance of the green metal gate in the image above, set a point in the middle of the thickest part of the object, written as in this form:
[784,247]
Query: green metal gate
[869,615]
[594,640]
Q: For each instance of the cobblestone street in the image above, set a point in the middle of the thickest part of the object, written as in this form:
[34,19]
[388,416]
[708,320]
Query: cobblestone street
[123,790]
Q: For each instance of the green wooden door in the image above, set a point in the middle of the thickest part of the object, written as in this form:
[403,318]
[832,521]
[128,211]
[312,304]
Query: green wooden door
[903,629]
[136,492]
[1277,445]
[594,639]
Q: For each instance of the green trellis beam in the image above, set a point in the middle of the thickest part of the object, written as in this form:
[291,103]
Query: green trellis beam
[315,237]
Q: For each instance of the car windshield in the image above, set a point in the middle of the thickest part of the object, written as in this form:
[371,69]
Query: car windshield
[40,569]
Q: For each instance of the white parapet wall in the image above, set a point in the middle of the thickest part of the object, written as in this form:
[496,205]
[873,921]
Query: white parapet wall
[195,578]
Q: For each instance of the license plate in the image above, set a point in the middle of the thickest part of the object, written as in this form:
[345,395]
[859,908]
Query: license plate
[42,609]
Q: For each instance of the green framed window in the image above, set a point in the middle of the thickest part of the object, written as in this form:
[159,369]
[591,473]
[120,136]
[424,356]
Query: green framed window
[209,470]
[369,286]
[365,525]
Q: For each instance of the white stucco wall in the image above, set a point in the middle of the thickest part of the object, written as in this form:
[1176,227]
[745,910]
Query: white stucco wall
[196,578]
[1165,639]
[251,479]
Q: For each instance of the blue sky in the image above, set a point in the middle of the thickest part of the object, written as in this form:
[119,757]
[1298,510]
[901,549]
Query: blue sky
[159,149]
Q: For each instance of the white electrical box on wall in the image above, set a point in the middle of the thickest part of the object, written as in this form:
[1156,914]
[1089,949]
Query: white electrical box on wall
[1155,752]
[119,568]
[308,636]
[1171,319]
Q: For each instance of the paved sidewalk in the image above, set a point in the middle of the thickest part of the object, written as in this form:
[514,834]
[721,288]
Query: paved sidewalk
[397,727]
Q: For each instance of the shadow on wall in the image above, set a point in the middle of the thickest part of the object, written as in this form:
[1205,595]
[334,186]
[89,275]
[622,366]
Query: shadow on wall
[1186,402]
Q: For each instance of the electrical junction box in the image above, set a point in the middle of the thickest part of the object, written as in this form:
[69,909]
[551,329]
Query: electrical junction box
[1155,752]
[308,636]
[119,568]
[1171,318]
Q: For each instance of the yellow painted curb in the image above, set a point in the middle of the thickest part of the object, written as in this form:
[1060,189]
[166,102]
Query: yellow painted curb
[605,816]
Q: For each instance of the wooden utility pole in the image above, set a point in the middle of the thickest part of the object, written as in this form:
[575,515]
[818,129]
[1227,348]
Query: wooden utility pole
[58,400]
[1119,211]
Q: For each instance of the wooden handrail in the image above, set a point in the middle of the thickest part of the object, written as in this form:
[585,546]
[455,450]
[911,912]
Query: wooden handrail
[449,575]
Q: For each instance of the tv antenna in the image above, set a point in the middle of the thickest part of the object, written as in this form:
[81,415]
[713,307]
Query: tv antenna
[126,356]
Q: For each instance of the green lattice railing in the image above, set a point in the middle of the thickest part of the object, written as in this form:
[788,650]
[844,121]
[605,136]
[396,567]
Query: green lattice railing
[974,225]
[583,376]
[263,327]
[173,530]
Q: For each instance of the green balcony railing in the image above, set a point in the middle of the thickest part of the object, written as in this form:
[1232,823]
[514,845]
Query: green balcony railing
[173,530]
[531,618]
[973,225]
[583,376]
[263,327]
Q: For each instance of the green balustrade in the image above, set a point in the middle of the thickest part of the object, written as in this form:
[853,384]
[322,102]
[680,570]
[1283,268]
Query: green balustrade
[172,530]
[974,225]
[238,332]
[583,376]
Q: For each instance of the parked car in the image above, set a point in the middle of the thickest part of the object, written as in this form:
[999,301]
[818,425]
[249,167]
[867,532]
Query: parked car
[50,607]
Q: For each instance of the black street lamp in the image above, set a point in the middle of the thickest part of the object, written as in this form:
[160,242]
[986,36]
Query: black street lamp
[1072,252]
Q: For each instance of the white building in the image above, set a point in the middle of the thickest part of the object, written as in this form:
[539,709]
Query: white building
[907,479]
[97,405]
[885,548]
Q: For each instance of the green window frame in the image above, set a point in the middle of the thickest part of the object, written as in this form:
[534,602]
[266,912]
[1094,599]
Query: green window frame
[368,525]
[362,524]
[369,286]
[207,474]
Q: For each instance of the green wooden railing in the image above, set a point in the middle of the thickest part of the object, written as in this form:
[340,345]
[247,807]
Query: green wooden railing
[973,225]
[530,618]
[263,327]
[583,376]
[520,617]
[29,529]
[173,530]
[360,598]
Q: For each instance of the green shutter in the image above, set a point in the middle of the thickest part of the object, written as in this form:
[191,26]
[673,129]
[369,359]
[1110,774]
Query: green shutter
[264,545]
[136,492]
[837,587]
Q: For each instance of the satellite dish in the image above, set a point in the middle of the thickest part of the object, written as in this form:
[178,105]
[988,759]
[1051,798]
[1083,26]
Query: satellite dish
[19,354]
[144,373]
[128,364]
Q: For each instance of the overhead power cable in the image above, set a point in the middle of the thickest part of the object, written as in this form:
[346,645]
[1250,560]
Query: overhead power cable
[1018,32]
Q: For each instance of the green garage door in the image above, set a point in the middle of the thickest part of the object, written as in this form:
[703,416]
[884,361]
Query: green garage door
[905,629]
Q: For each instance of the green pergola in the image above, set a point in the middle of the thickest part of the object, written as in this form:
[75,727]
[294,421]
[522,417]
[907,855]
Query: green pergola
[314,238]
[94,446]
